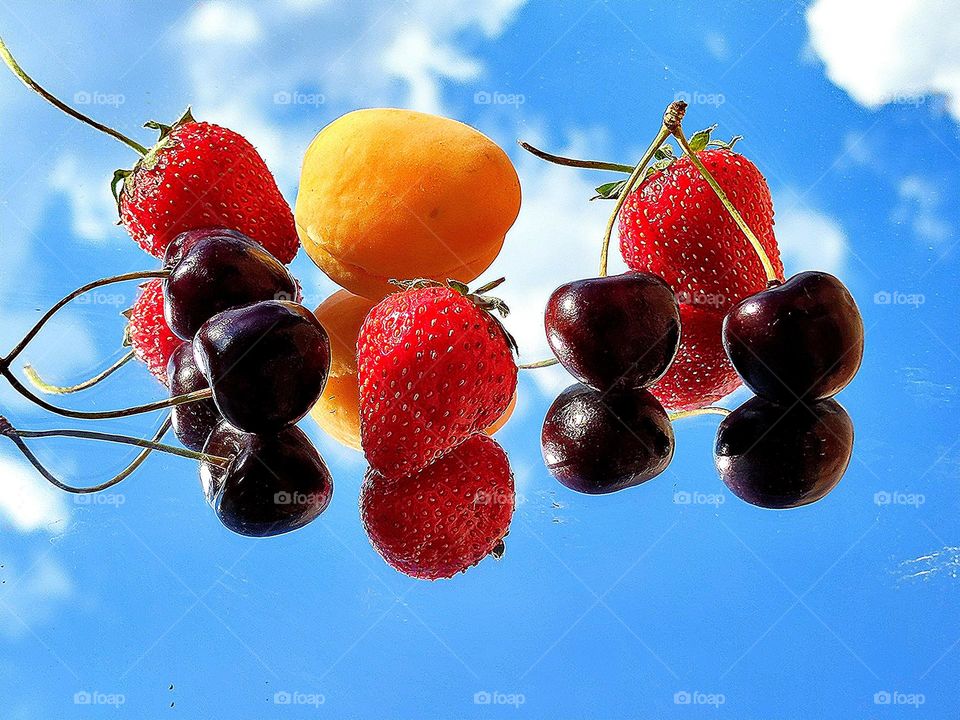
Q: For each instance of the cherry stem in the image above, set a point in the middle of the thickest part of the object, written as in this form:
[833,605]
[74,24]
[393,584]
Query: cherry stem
[709,410]
[115,480]
[204,394]
[638,170]
[17,436]
[50,389]
[141,275]
[573,162]
[53,100]
[677,131]
[538,364]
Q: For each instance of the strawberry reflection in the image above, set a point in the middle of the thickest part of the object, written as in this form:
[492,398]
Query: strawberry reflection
[445,518]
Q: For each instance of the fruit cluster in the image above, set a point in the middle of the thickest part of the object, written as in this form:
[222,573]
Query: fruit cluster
[419,373]
[795,343]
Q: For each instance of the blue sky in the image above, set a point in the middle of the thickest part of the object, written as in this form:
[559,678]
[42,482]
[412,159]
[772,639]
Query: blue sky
[620,606]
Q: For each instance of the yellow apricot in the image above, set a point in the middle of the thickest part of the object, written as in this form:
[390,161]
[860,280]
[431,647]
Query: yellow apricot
[338,410]
[397,194]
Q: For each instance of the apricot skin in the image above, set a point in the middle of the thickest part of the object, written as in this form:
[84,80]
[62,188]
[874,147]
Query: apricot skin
[397,194]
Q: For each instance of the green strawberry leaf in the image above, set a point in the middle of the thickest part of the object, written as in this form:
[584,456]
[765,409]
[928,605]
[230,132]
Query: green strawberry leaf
[725,144]
[664,152]
[610,190]
[659,166]
[700,140]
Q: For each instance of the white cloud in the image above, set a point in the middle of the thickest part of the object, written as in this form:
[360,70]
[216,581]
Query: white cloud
[809,239]
[93,209]
[422,61]
[223,22]
[921,207]
[556,239]
[890,53]
[27,501]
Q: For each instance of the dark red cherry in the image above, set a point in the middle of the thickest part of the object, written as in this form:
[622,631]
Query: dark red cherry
[267,363]
[186,240]
[776,456]
[274,484]
[802,339]
[615,332]
[217,272]
[600,443]
[192,422]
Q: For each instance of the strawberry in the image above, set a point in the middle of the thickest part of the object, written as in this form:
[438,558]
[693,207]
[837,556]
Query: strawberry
[673,225]
[701,372]
[147,332]
[434,367]
[202,175]
[444,518]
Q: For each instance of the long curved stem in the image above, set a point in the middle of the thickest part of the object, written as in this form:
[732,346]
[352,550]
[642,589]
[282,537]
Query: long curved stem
[115,480]
[32,333]
[573,162]
[16,436]
[53,100]
[637,171]
[539,364]
[50,389]
[9,431]
[677,131]
[709,410]
[204,394]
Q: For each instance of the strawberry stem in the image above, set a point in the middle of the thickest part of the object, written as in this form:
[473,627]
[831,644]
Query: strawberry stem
[53,100]
[638,170]
[204,394]
[17,436]
[573,162]
[43,386]
[677,131]
[709,410]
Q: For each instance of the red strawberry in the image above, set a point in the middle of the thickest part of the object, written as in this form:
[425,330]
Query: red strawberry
[148,333]
[434,367]
[444,518]
[701,372]
[673,225]
[202,175]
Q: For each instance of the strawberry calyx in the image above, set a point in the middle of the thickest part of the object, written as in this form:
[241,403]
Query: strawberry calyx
[489,304]
[665,156]
[123,179]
